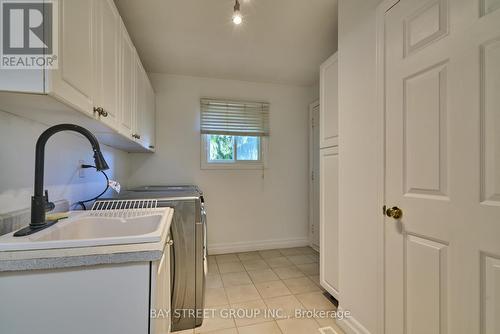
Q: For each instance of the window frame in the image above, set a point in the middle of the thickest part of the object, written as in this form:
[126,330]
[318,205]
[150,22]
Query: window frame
[206,163]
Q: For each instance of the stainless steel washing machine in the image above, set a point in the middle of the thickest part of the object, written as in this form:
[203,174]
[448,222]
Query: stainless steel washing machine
[189,256]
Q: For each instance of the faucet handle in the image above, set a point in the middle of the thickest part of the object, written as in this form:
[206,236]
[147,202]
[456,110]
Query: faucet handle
[49,206]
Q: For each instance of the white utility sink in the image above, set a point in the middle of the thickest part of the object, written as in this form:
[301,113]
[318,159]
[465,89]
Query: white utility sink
[91,228]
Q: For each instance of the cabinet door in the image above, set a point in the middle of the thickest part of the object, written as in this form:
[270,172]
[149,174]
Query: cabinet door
[140,100]
[127,82]
[145,106]
[148,116]
[73,81]
[107,52]
[160,295]
[329,231]
[329,132]
[102,299]
[152,118]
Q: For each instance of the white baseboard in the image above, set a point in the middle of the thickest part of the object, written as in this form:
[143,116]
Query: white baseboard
[351,325]
[249,246]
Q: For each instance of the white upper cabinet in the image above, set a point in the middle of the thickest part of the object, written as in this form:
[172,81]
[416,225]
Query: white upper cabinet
[127,97]
[73,81]
[96,84]
[140,99]
[329,130]
[107,65]
[150,117]
[145,105]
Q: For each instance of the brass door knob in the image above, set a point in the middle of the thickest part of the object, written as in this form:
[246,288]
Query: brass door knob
[394,212]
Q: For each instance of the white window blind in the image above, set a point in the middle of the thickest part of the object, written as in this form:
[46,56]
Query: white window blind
[234,118]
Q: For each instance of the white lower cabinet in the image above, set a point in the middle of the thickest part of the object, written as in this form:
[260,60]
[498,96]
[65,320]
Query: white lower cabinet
[160,294]
[329,224]
[111,299]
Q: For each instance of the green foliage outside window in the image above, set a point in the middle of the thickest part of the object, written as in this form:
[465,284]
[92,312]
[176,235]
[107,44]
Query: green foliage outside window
[230,148]
[221,147]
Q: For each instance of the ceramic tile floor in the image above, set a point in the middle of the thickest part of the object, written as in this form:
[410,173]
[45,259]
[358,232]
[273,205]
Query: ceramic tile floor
[280,279]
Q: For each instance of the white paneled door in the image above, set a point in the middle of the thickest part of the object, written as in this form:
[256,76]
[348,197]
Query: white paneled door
[442,93]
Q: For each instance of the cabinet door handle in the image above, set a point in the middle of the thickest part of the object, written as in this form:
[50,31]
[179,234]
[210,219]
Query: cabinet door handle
[100,111]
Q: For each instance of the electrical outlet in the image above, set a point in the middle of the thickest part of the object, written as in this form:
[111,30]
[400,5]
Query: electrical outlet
[81,171]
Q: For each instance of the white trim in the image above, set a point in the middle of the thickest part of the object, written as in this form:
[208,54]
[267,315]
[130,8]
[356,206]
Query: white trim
[311,169]
[381,11]
[248,246]
[351,325]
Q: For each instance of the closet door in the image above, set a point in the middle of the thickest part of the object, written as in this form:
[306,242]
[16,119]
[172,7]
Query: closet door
[329,232]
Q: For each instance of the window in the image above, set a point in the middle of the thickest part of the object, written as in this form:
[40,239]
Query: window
[222,148]
[234,134]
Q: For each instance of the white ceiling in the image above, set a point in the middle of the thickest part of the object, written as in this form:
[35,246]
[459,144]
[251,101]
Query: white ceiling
[280,41]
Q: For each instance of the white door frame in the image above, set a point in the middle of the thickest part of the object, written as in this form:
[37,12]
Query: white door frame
[379,305]
[351,325]
[311,169]
[382,9]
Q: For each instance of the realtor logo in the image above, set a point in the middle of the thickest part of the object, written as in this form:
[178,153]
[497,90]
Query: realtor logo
[28,34]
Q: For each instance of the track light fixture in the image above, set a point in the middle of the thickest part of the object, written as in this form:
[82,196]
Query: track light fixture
[237,18]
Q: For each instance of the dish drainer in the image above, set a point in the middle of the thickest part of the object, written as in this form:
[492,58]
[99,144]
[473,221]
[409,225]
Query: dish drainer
[125,208]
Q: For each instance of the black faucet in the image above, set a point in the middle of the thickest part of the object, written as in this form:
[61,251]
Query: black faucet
[40,201]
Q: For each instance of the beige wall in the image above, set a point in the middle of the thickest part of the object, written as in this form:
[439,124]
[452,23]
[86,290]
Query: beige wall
[246,208]
[360,140]
[18,137]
